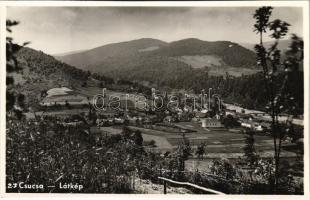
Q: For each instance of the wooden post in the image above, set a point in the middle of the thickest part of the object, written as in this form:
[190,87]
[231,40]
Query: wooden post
[134,180]
[165,187]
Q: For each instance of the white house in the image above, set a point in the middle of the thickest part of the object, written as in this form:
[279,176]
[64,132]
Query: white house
[211,123]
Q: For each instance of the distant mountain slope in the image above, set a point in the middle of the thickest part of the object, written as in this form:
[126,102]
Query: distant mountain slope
[116,50]
[159,62]
[231,53]
[69,53]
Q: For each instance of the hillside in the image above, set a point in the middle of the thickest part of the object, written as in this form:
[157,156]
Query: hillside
[41,72]
[230,53]
[158,62]
[39,67]
[97,55]
[68,53]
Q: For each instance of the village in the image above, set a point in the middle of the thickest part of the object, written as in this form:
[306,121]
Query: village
[147,99]
[209,121]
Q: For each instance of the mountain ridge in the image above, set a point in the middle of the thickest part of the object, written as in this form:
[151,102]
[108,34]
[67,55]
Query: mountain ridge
[96,55]
[129,59]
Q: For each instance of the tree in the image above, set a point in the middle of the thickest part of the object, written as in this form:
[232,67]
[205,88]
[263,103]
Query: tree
[223,168]
[126,132]
[138,139]
[262,16]
[67,104]
[201,150]
[14,101]
[229,122]
[279,97]
[184,151]
[249,148]
[84,84]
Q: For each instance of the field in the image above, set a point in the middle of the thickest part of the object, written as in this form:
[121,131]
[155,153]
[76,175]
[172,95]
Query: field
[93,91]
[220,143]
[215,65]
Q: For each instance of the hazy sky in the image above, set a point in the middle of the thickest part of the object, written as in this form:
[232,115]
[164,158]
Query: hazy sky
[62,29]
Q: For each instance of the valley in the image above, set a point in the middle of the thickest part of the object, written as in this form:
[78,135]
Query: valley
[154,100]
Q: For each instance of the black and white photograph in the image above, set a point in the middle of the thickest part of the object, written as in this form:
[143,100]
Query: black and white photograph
[178,99]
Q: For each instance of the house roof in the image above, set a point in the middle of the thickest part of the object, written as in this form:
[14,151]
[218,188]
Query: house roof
[201,115]
[212,120]
[58,91]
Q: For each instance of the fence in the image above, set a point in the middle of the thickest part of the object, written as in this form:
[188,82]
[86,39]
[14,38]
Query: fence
[207,190]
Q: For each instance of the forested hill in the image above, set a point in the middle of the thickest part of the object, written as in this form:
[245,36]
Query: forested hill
[45,71]
[41,72]
[231,54]
[249,91]
[95,56]
[146,59]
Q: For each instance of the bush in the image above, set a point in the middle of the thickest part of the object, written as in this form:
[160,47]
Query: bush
[223,168]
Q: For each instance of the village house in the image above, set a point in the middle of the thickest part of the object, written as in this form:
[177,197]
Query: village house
[211,123]
[198,116]
[256,126]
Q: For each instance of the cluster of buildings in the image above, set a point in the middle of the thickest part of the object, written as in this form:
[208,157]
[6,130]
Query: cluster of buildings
[125,119]
[209,116]
[248,119]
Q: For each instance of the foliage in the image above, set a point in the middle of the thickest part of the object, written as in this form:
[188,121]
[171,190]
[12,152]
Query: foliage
[280,98]
[249,148]
[258,180]
[14,100]
[45,151]
[230,122]
[138,139]
[183,152]
[223,168]
[201,149]
[262,16]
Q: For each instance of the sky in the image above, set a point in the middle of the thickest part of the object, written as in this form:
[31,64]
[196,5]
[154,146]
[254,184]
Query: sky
[56,30]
